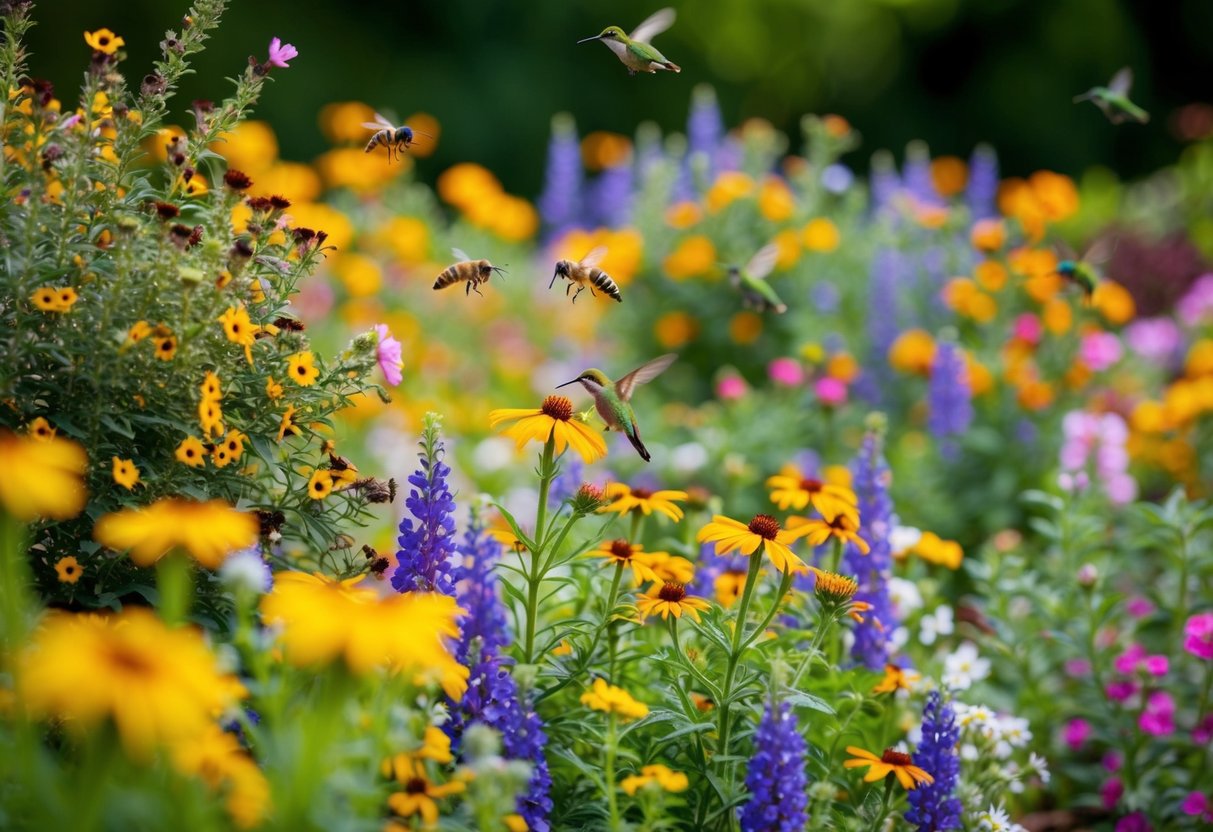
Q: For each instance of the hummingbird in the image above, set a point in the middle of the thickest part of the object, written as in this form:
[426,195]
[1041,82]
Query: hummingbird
[612,399]
[1084,271]
[634,50]
[1113,100]
[751,280]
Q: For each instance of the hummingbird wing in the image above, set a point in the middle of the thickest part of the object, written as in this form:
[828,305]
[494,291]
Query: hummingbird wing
[654,25]
[1122,81]
[1100,251]
[460,255]
[762,262]
[380,123]
[643,373]
[593,257]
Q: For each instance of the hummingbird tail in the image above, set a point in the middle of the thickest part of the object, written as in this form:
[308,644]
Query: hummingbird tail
[672,67]
[634,438]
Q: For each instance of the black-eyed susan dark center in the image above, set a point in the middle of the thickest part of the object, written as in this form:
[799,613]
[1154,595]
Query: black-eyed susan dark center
[557,407]
[896,758]
[416,785]
[842,523]
[621,549]
[641,493]
[811,485]
[672,592]
[128,661]
[765,526]
[69,570]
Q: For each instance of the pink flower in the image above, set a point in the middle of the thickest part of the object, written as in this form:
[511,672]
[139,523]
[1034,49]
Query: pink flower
[1028,328]
[831,391]
[1135,822]
[1197,804]
[1111,792]
[388,351]
[1127,661]
[1156,665]
[1100,350]
[731,387]
[1111,761]
[1120,691]
[1139,607]
[1155,339]
[1199,635]
[281,52]
[1076,733]
[1158,718]
[1198,302]
[786,372]
[1203,732]
[1078,667]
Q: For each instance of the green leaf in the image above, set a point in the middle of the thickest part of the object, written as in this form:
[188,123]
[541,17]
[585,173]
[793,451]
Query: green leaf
[514,527]
[800,699]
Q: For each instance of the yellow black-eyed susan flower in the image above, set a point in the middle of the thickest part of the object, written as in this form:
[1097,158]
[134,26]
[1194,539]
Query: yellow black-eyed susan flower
[664,777]
[670,598]
[208,531]
[191,451]
[40,429]
[891,762]
[166,347]
[210,389]
[42,477]
[790,489]
[273,389]
[842,526]
[763,532]
[301,369]
[321,484]
[553,420]
[104,41]
[895,679]
[287,424]
[630,556]
[68,569]
[613,700]
[240,329]
[126,474]
[643,501]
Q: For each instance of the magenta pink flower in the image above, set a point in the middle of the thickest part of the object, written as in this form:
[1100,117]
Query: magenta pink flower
[1158,717]
[1199,635]
[281,52]
[1078,667]
[1076,733]
[389,353]
[1111,792]
[1111,761]
[1139,606]
[1197,804]
[1126,663]
[786,372]
[831,391]
[1135,822]
[1100,350]
[1203,732]
[1120,691]
[731,387]
[1157,665]
[1028,328]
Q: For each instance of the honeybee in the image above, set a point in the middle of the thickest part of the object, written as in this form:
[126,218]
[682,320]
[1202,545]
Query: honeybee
[390,136]
[474,272]
[586,274]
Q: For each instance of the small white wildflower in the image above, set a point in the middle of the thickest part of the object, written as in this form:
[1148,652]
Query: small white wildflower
[246,572]
[964,667]
[903,537]
[688,457]
[994,819]
[968,752]
[1040,766]
[941,622]
[904,596]
[898,639]
[1014,730]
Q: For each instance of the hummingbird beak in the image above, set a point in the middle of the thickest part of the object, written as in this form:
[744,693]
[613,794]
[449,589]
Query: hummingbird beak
[587,40]
[567,383]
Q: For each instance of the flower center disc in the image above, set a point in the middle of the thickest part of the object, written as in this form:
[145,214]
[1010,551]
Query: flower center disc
[895,758]
[672,592]
[558,407]
[765,526]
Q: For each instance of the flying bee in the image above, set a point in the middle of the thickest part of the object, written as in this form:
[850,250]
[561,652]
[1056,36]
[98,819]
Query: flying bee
[473,272]
[395,139]
[751,281]
[586,274]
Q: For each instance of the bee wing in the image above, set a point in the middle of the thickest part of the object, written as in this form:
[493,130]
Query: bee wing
[460,255]
[762,262]
[380,123]
[593,257]
[654,25]
[1122,81]
[643,373]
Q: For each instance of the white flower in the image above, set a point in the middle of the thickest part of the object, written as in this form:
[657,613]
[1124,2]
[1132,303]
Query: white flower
[964,667]
[246,571]
[994,819]
[1014,730]
[1039,765]
[941,622]
[968,752]
[903,537]
[688,457]
[493,454]
[976,719]
[904,596]
[898,639]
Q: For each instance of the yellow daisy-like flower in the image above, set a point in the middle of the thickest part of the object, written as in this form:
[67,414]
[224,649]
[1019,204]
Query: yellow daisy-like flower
[630,556]
[895,678]
[210,389]
[665,778]
[159,685]
[104,41]
[210,417]
[273,389]
[166,347]
[554,419]
[191,451]
[672,567]
[842,526]
[790,489]
[234,444]
[218,760]
[420,795]
[624,499]
[321,484]
[934,549]
[891,762]
[322,619]
[138,331]
[42,477]
[50,299]
[763,532]
[208,531]
[613,700]
[68,569]
[220,456]
[728,587]
[669,598]
[240,329]
[125,473]
[287,425]
[301,369]
[40,429]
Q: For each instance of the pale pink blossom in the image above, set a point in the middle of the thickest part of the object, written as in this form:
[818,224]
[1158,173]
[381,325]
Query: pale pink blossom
[1100,350]
[281,52]
[786,372]
[389,354]
[1198,635]
[830,391]
[731,387]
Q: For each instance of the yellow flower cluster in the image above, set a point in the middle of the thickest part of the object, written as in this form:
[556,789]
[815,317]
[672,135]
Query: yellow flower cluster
[479,195]
[662,776]
[210,409]
[51,299]
[323,620]
[613,700]
[208,531]
[933,549]
[43,475]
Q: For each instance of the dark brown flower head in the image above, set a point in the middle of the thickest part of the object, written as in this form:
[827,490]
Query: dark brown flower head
[270,521]
[621,550]
[260,204]
[557,407]
[279,203]
[642,493]
[289,324]
[896,758]
[321,236]
[339,463]
[765,526]
[842,522]
[811,485]
[416,785]
[166,210]
[672,592]
[153,84]
[178,159]
[303,236]
[391,490]
[51,154]
[373,490]
[241,249]
[237,180]
[172,44]
[379,567]
[180,234]
[39,89]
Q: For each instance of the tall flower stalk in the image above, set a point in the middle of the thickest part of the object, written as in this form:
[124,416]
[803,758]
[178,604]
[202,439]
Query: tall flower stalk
[427,543]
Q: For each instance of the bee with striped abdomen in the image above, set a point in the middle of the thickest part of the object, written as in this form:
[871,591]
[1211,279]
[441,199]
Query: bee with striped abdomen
[473,272]
[586,274]
[395,139]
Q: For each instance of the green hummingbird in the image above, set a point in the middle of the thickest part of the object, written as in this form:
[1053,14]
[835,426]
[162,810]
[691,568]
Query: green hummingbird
[1084,272]
[1113,100]
[751,280]
[634,50]
[612,399]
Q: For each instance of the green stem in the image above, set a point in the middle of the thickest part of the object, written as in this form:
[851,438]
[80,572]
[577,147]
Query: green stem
[884,804]
[837,559]
[175,585]
[685,661]
[536,574]
[825,620]
[14,586]
[546,474]
[609,774]
[726,691]
[785,583]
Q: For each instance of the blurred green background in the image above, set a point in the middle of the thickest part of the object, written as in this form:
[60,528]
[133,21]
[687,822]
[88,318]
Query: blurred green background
[952,72]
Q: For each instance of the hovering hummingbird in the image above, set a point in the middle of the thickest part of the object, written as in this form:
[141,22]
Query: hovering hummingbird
[611,399]
[1113,100]
[637,54]
[1084,272]
[751,280]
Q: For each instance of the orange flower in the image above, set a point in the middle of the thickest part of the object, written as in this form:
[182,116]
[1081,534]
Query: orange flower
[763,532]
